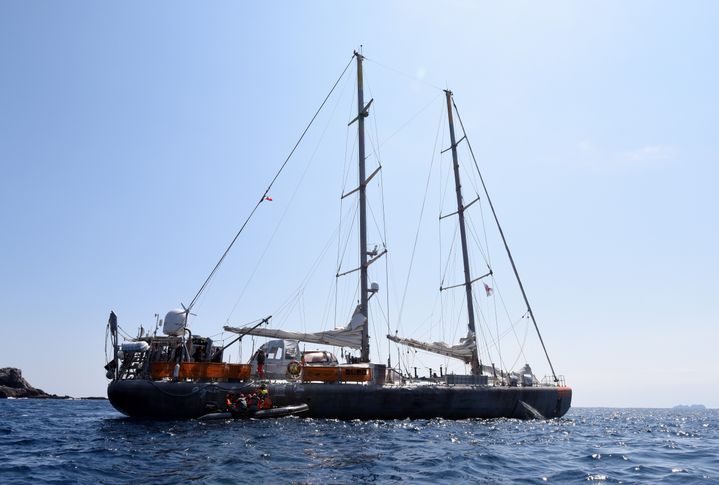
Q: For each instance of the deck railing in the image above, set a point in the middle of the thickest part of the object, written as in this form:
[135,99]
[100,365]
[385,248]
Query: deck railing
[336,374]
[201,371]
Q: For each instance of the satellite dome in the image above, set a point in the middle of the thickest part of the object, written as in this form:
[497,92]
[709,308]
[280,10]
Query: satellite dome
[174,323]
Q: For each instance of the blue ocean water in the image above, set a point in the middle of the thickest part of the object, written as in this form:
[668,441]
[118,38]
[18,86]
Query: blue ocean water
[90,442]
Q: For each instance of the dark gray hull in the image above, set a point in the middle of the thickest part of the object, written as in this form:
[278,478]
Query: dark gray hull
[187,400]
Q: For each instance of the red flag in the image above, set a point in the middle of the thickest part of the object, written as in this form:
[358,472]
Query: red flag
[488,289]
[267,197]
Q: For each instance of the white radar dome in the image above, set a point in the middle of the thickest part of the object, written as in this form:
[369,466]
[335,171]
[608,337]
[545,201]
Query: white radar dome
[174,323]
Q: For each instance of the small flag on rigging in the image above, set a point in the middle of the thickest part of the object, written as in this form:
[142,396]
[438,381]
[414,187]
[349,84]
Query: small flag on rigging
[267,197]
[489,290]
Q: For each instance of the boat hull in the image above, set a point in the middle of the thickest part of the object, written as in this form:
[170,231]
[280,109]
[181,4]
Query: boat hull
[186,400]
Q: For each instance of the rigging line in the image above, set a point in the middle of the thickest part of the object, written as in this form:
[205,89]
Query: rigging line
[345,171]
[521,349]
[495,339]
[316,265]
[504,334]
[355,300]
[219,335]
[381,311]
[336,282]
[377,348]
[285,212]
[506,246]
[348,162]
[439,243]
[451,253]
[348,168]
[495,286]
[303,314]
[337,261]
[473,233]
[284,307]
[468,175]
[328,305]
[373,121]
[386,268]
[440,236]
[246,324]
[433,311]
[511,324]
[397,71]
[485,340]
[310,273]
[387,299]
[419,224]
[285,310]
[349,235]
[125,335]
[506,311]
[348,153]
[384,227]
[409,121]
[383,230]
[484,231]
[423,330]
[345,177]
[267,190]
[376,149]
[376,224]
[392,271]
[443,190]
[496,324]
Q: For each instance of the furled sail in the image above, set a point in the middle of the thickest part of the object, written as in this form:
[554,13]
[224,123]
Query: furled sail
[461,351]
[349,336]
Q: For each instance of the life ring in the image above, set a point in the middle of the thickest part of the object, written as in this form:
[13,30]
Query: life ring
[294,368]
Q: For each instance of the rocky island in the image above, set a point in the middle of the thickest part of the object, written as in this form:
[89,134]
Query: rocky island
[690,407]
[12,384]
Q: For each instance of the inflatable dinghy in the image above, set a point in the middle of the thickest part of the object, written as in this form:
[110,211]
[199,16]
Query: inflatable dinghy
[276,412]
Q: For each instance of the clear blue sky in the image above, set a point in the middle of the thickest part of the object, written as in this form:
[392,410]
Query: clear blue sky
[135,137]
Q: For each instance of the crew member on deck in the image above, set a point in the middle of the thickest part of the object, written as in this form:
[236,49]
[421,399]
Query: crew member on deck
[261,363]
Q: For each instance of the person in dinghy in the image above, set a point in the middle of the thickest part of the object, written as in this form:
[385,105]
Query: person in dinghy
[245,406]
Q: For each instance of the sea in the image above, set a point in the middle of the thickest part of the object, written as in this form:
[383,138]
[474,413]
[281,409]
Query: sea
[87,441]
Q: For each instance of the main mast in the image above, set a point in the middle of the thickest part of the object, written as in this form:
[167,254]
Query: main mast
[476,370]
[364,288]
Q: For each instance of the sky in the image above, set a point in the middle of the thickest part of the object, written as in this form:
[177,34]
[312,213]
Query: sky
[135,138]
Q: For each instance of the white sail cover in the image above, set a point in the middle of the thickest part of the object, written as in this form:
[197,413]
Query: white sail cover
[461,351]
[349,336]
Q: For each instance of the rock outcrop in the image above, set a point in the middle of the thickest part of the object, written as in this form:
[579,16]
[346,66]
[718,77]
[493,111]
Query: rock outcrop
[12,384]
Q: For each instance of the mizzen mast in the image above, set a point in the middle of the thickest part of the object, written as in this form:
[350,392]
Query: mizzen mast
[476,369]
